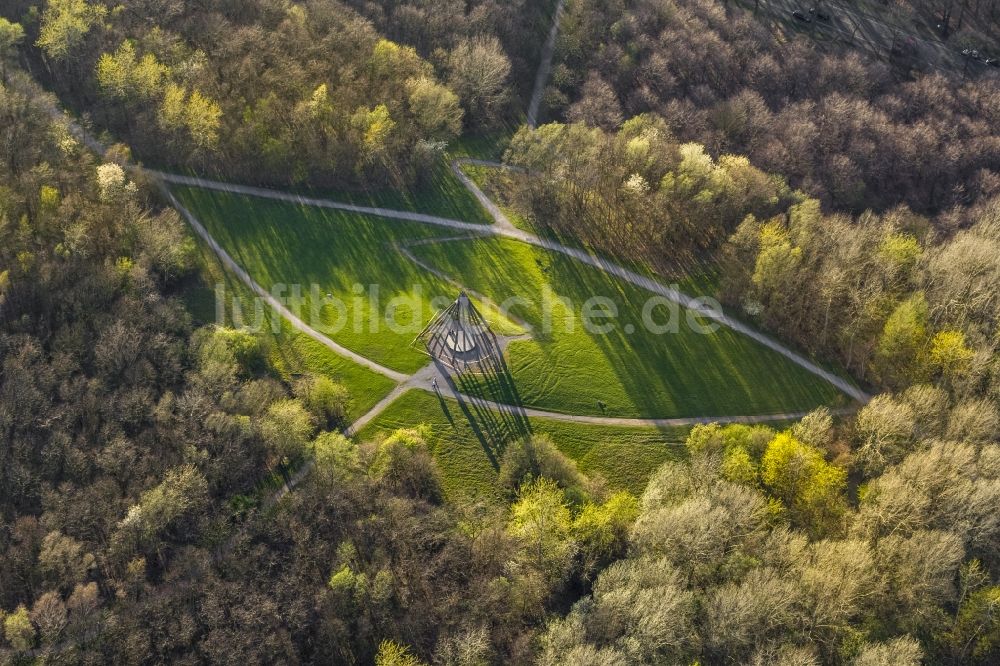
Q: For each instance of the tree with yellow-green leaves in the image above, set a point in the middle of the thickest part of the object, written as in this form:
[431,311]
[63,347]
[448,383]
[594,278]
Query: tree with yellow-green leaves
[195,116]
[601,530]
[174,503]
[373,132]
[777,263]
[900,356]
[541,520]
[287,428]
[18,630]
[65,23]
[435,109]
[389,60]
[11,34]
[810,488]
[123,75]
[975,638]
[391,653]
[950,356]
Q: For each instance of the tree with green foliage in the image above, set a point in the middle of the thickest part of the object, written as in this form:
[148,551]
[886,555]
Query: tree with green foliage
[226,354]
[18,630]
[287,428]
[122,76]
[776,271]
[435,108]
[900,356]
[541,520]
[336,456]
[976,635]
[403,463]
[65,23]
[202,117]
[193,119]
[811,488]
[950,356]
[389,60]
[173,504]
[601,530]
[391,653]
[536,457]
[325,399]
[739,467]
[11,34]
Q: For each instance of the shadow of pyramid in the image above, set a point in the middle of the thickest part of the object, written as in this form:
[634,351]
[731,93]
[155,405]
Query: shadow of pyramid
[491,404]
[468,354]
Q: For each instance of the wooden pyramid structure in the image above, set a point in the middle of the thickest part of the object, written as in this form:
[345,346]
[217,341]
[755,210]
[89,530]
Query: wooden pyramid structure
[459,337]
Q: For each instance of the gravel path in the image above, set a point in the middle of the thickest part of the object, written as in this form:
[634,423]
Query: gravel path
[504,228]
[425,378]
[275,303]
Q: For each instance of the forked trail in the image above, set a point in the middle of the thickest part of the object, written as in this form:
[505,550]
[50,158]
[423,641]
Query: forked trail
[503,227]
[425,379]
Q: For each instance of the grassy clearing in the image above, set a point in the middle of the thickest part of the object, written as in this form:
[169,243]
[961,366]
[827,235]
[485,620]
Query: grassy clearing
[627,371]
[291,353]
[381,299]
[624,456]
[567,370]
[438,193]
[486,146]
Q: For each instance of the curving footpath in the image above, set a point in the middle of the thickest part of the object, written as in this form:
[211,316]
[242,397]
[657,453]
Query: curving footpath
[268,298]
[502,227]
[424,379]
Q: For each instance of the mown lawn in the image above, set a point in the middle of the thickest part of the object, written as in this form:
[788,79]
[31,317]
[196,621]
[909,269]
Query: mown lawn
[290,352]
[381,298]
[627,370]
[625,456]
[438,192]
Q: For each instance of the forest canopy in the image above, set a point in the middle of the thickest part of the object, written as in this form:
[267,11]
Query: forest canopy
[171,493]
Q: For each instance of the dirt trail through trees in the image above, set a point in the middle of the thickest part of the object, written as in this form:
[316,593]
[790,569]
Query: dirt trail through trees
[542,78]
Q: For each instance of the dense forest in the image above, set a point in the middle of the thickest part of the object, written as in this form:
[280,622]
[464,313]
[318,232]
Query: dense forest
[890,296]
[278,92]
[849,208]
[855,133]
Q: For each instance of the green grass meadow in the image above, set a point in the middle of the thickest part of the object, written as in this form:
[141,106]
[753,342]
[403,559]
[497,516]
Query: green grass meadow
[625,456]
[439,192]
[347,255]
[628,371]
[290,352]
